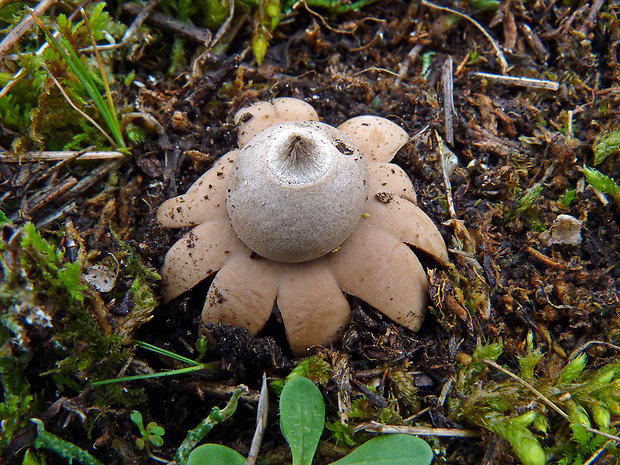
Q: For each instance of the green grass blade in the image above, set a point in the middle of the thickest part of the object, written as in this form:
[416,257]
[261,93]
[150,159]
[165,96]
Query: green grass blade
[84,77]
[167,353]
[91,88]
[161,374]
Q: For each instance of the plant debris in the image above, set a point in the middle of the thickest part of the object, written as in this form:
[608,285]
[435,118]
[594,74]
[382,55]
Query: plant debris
[514,111]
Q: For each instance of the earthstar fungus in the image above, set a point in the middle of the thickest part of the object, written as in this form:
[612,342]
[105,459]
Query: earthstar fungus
[301,212]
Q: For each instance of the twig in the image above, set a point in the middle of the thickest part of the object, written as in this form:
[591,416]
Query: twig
[337,31]
[591,19]
[583,347]
[535,43]
[377,427]
[498,51]
[49,194]
[520,81]
[442,149]
[22,27]
[403,67]
[21,73]
[158,19]
[27,157]
[342,378]
[57,215]
[444,392]
[87,182]
[448,98]
[544,259]
[261,423]
[596,454]
[544,399]
[375,68]
[225,25]
[131,30]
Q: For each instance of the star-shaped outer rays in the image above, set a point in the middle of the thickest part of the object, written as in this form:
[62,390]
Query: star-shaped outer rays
[373,264]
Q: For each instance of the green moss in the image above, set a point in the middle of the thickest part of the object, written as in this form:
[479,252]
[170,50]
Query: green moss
[516,413]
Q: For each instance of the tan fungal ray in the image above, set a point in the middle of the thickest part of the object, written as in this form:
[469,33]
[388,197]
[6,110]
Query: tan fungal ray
[407,222]
[261,115]
[379,269]
[388,177]
[292,109]
[243,292]
[377,138]
[197,255]
[205,200]
[313,308]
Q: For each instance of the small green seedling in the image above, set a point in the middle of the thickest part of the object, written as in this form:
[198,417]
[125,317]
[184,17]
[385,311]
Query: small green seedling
[606,145]
[152,434]
[603,183]
[302,418]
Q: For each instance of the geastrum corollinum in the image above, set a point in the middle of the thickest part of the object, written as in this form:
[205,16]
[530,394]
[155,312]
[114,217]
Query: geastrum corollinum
[301,212]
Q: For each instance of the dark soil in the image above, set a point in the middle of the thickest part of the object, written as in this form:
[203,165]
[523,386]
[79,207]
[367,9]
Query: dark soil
[505,281]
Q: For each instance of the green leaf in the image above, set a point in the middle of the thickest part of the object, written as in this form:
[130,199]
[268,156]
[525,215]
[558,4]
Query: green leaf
[600,415]
[215,454]
[528,199]
[157,441]
[29,458]
[600,181]
[136,417]
[606,145]
[155,429]
[3,218]
[572,369]
[393,449]
[302,416]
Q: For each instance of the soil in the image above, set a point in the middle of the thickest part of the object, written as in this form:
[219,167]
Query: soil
[505,280]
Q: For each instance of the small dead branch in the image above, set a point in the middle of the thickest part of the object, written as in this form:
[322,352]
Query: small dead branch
[60,214]
[376,427]
[350,30]
[187,30]
[221,391]
[261,423]
[86,183]
[28,157]
[520,81]
[448,100]
[131,30]
[544,399]
[403,67]
[47,195]
[444,392]
[535,43]
[444,154]
[22,27]
[374,68]
[544,259]
[498,51]
[342,378]
[591,19]
[225,25]
[21,73]
[583,347]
